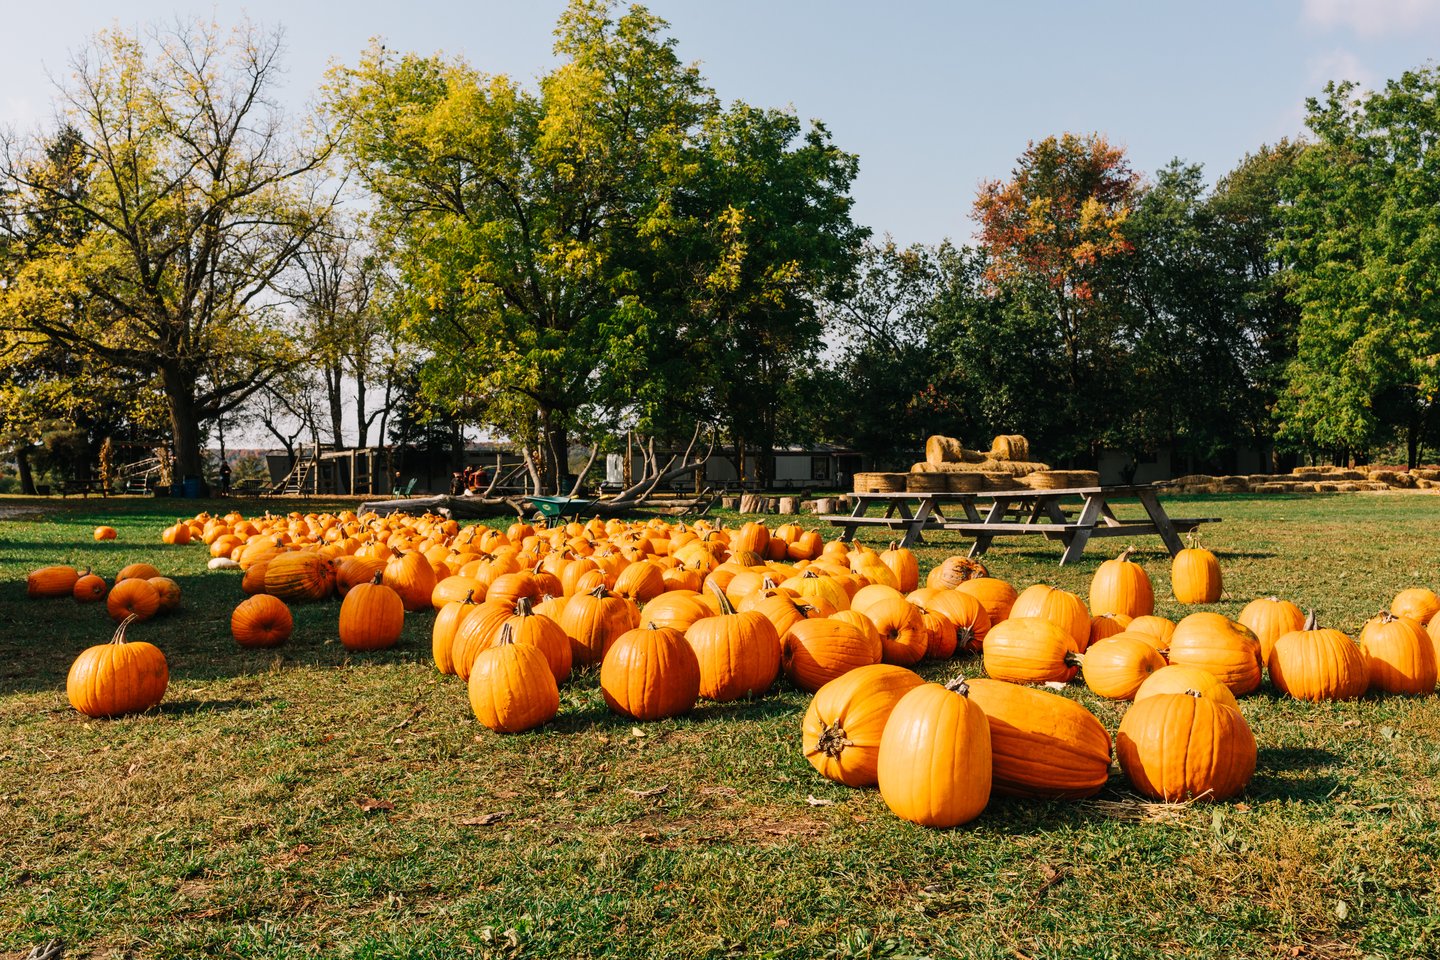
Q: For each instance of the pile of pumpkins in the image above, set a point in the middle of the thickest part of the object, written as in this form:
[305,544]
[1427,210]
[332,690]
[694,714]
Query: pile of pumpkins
[118,677]
[672,613]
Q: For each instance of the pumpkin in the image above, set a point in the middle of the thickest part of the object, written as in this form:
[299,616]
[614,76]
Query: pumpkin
[136,571]
[1400,655]
[738,653]
[941,637]
[996,596]
[1042,744]
[814,652]
[117,677]
[350,572]
[177,535]
[511,588]
[1030,650]
[512,688]
[1157,628]
[49,582]
[299,577]
[89,588]
[870,594]
[442,634]
[841,731]
[1061,607]
[1417,603]
[1122,586]
[812,585]
[253,579]
[1178,679]
[540,631]
[961,609]
[680,609]
[650,673]
[105,533]
[953,571]
[904,639]
[904,565]
[1195,576]
[476,631]
[1181,746]
[1223,647]
[594,620]
[456,587]
[261,621]
[1106,625]
[1315,664]
[934,765]
[411,577]
[1116,666]
[641,582]
[1269,618]
[168,591]
[785,611]
[372,616]
[132,598]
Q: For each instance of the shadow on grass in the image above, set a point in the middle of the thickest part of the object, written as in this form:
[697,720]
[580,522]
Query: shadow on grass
[1296,774]
[193,707]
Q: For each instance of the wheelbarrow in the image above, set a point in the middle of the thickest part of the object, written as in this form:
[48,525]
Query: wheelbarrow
[558,508]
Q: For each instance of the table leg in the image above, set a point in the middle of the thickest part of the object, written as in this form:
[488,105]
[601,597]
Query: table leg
[917,523]
[847,530]
[996,514]
[1089,515]
[1161,519]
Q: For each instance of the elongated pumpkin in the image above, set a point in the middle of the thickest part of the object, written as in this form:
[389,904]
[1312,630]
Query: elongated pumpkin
[1030,650]
[1042,744]
[934,764]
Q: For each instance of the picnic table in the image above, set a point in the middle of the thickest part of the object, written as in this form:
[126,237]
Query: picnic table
[1044,513]
[84,488]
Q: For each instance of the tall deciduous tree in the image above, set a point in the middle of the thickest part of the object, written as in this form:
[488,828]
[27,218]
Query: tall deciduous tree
[1362,224]
[1050,229]
[198,198]
[515,212]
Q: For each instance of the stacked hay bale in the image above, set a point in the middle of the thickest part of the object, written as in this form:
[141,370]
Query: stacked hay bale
[1002,467]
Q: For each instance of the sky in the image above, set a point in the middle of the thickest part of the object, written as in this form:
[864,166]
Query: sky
[934,97]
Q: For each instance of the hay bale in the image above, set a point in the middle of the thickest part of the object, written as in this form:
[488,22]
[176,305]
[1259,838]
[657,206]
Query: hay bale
[1425,473]
[1269,488]
[1327,487]
[880,482]
[1060,479]
[1010,447]
[967,467]
[924,466]
[940,449]
[1347,486]
[927,482]
[1001,481]
[1016,468]
[1232,484]
[1190,479]
[965,482]
[1375,486]
[1306,472]
[1425,483]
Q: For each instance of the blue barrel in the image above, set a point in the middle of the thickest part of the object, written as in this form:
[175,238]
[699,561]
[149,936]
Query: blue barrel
[191,487]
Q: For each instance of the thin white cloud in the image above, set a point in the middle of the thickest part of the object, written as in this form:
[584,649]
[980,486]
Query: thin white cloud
[1372,18]
[1341,65]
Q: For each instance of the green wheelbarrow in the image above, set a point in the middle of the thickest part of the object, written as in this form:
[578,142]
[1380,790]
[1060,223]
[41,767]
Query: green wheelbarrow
[558,508]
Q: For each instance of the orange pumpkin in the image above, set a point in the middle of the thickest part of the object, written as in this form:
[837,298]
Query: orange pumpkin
[1270,618]
[1400,655]
[132,598]
[372,617]
[1116,666]
[841,731]
[1061,607]
[650,673]
[1225,648]
[49,582]
[511,686]
[738,653]
[1042,744]
[1195,576]
[814,652]
[117,677]
[89,588]
[1122,586]
[1030,650]
[1182,746]
[299,577]
[1314,664]
[261,621]
[934,765]
[105,533]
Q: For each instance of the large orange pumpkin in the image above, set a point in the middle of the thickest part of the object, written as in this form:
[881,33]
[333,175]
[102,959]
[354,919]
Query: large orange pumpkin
[1270,618]
[1061,607]
[1182,746]
[49,582]
[412,578]
[132,598]
[1222,646]
[1122,586]
[1030,650]
[1042,744]
[814,652]
[261,621]
[1195,576]
[1177,678]
[117,677]
[650,673]
[738,653]
[841,731]
[934,765]
[442,634]
[90,588]
[1400,655]
[1315,664]
[593,621]
[512,688]
[299,577]
[371,617]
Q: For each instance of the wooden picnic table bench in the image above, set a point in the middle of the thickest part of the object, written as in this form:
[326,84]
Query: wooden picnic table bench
[84,488]
[1053,514]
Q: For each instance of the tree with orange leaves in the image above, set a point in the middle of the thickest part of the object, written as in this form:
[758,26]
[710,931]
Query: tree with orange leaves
[1054,225]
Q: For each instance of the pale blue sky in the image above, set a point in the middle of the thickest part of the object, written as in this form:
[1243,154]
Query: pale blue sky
[933,96]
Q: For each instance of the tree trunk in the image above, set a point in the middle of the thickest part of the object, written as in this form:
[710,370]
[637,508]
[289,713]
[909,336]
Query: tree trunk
[362,426]
[556,453]
[22,467]
[184,422]
[334,380]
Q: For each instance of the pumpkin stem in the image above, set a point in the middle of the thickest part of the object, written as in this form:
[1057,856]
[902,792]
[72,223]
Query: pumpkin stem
[600,593]
[469,597]
[727,609]
[120,631]
[1310,623]
[767,583]
[522,607]
[1195,693]
[379,577]
[507,635]
[1387,617]
[1125,554]
[809,575]
[832,740]
[1074,659]
[958,685]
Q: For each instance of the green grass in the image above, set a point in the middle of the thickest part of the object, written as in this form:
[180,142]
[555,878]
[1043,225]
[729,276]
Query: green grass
[313,803]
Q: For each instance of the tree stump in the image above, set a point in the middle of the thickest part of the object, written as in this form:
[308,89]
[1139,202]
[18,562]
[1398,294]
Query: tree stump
[789,506]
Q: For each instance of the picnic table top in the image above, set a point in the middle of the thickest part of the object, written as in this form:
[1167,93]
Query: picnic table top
[1020,493]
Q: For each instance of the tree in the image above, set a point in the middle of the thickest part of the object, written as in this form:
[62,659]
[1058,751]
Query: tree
[1051,229]
[197,199]
[514,212]
[1362,223]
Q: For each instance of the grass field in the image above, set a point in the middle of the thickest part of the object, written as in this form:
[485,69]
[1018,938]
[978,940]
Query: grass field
[313,803]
